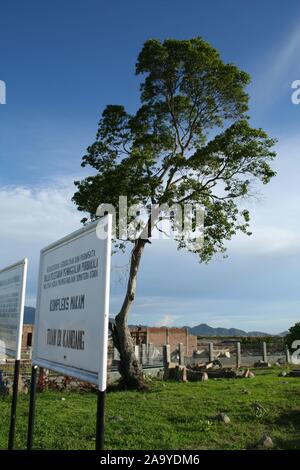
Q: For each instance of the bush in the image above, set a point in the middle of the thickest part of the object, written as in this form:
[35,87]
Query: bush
[294,333]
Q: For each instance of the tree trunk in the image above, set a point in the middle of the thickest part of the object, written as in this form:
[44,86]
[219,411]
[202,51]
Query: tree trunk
[129,368]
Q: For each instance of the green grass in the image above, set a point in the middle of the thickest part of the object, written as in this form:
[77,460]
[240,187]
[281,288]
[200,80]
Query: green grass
[169,416]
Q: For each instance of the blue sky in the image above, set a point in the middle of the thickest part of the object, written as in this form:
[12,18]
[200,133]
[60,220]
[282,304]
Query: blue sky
[63,61]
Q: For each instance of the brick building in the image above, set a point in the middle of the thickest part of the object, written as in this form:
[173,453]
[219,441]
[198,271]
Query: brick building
[27,337]
[159,336]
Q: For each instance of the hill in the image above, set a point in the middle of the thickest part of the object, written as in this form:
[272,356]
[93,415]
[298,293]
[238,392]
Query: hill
[205,330]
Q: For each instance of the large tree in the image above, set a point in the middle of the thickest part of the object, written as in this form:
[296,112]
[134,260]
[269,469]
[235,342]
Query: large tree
[189,142]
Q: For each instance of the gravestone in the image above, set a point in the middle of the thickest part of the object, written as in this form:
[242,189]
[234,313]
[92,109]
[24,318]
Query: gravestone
[181,354]
[211,351]
[238,355]
[167,354]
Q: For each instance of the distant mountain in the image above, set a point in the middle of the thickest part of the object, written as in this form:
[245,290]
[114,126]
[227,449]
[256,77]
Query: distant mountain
[205,330]
[29,314]
[284,333]
[258,333]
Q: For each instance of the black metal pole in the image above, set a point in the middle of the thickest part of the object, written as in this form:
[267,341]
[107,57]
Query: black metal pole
[100,420]
[34,370]
[13,414]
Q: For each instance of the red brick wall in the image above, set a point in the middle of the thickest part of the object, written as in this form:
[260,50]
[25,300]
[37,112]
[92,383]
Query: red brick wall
[192,344]
[26,330]
[139,335]
[172,336]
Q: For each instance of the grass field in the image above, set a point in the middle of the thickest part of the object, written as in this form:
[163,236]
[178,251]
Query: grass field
[169,416]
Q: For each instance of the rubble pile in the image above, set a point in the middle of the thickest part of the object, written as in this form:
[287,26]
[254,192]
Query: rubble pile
[201,372]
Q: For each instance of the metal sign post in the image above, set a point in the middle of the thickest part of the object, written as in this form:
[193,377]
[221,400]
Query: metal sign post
[31,414]
[13,413]
[102,375]
[100,420]
[12,301]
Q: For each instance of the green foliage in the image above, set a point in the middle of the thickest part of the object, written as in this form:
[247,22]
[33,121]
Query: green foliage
[189,142]
[294,334]
[257,340]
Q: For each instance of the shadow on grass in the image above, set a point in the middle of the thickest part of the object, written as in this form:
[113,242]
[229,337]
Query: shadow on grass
[288,444]
[291,417]
[119,387]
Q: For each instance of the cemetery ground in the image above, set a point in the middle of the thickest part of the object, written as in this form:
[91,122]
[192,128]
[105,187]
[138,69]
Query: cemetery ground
[169,415]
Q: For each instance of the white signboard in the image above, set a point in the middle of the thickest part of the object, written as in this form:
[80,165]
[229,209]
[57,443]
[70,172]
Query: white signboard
[12,299]
[71,328]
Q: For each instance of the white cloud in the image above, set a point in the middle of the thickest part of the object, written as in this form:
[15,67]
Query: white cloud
[275,222]
[168,320]
[31,219]
[267,240]
[35,214]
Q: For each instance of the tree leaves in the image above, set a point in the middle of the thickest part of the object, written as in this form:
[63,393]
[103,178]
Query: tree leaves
[189,142]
